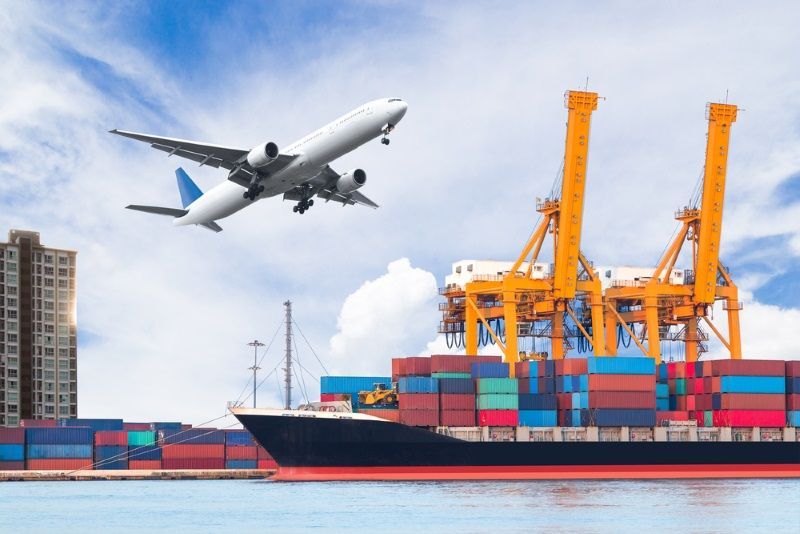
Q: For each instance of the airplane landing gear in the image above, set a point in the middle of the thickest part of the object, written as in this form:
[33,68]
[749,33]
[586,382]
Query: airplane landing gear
[386,131]
[305,201]
[385,141]
[255,188]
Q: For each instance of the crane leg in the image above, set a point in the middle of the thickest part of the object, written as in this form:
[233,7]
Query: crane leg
[611,331]
[557,333]
[470,330]
[651,316]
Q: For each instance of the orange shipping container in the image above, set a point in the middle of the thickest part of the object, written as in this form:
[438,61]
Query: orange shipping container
[193,451]
[576,366]
[389,415]
[147,465]
[753,401]
[59,464]
[622,383]
[241,453]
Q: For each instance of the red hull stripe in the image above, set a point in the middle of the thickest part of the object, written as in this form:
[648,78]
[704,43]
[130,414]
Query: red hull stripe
[587,472]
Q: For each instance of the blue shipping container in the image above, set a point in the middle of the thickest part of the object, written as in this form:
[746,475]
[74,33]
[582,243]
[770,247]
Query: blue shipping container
[537,402]
[43,451]
[239,438]
[351,384]
[613,417]
[59,436]
[489,370]
[580,400]
[533,367]
[793,418]
[145,452]
[752,384]
[792,384]
[193,436]
[166,426]
[418,384]
[456,385]
[12,452]
[662,372]
[621,365]
[111,457]
[662,391]
[662,405]
[538,418]
[241,464]
[94,424]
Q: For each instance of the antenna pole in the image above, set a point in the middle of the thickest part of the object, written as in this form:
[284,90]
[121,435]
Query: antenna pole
[288,368]
[255,344]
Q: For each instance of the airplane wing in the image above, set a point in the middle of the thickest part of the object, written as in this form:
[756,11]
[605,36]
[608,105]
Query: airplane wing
[324,186]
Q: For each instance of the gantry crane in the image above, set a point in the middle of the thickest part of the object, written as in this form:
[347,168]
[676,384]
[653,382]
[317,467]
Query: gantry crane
[672,311]
[523,301]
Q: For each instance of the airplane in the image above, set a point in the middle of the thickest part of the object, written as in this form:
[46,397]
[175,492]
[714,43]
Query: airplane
[299,172]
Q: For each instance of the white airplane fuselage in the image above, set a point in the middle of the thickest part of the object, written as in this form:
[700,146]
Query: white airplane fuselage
[315,151]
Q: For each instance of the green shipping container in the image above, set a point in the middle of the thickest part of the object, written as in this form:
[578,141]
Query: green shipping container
[708,418]
[451,375]
[498,401]
[680,386]
[497,385]
[139,438]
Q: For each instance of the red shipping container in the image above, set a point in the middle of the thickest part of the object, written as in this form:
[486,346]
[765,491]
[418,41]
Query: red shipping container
[193,463]
[793,368]
[334,397]
[522,370]
[263,454]
[562,417]
[690,403]
[622,383]
[186,426]
[793,401]
[12,466]
[193,451]
[708,384]
[703,402]
[137,426]
[676,370]
[326,397]
[38,423]
[417,366]
[690,386]
[267,464]
[690,370]
[622,399]
[564,401]
[419,417]
[60,464]
[146,465]
[576,366]
[498,418]
[753,401]
[458,364]
[418,401]
[680,403]
[523,384]
[746,418]
[241,453]
[12,436]
[457,418]
[455,401]
[748,367]
[558,365]
[699,384]
[111,437]
[398,368]
[388,414]
[671,416]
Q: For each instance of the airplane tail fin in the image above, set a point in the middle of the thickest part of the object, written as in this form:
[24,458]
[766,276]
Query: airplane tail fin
[187,188]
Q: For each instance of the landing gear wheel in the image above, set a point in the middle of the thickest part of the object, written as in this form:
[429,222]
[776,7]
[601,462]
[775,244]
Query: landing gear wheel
[260,188]
[385,141]
[246,194]
[310,202]
[295,209]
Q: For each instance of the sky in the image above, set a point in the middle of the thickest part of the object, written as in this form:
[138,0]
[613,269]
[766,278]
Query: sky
[165,313]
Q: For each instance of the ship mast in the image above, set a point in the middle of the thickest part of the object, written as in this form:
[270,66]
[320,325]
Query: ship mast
[288,368]
[255,344]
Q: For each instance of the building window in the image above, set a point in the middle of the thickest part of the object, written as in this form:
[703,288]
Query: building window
[48,271]
[63,284]
[12,338]
[12,303]
[49,364]
[49,351]
[48,258]
[48,282]
[12,325]
[49,294]
[63,260]
[63,272]
[63,410]
[12,314]
[63,375]
[49,409]
[11,279]
[49,375]
[12,396]
[63,295]
[12,349]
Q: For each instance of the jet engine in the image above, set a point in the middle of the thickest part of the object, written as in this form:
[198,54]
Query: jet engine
[263,155]
[351,180]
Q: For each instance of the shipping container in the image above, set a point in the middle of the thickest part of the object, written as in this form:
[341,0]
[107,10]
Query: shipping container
[748,368]
[580,400]
[145,452]
[498,418]
[12,452]
[792,368]
[748,401]
[752,384]
[38,423]
[457,418]
[193,451]
[622,383]
[620,417]
[94,424]
[419,417]
[17,465]
[148,465]
[748,418]
[167,426]
[241,438]
[621,399]
[416,366]
[538,402]
[498,385]
[793,418]
[418,401]
[793,384]
[351,384]
[388,414]
[662,404]
[141,437]
[444,375]
[197,436]
[575,366]
[111,437]
[111,457]
[498,401]
[193,463]
[538,418]
[666,416]
[241,453]
[263,454]
[458,363]
[456,402]
[38,451]
[241,464]
[417,384]
[59,464]
[564,401]
[12,435]
[489,370]
[793,401]
[662,391]
[137,426]
[58,436]
[457,385]
[620,365]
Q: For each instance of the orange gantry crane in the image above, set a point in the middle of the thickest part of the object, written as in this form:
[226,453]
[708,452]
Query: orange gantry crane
[523,301]
[672,312]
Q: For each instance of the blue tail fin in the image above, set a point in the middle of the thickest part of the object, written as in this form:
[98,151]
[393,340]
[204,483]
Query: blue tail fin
[188,189]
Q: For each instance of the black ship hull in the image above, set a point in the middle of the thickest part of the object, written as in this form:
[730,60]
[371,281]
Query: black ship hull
[318,448]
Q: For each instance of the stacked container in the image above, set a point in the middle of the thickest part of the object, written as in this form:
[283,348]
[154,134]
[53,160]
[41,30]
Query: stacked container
[12,449]
[241,451]
[748,393]
[497,401]
[793,393]
[418,400]
[622,391]
[195,448]
[58,448]
[349,385]
[143,452]
[111,449]
[572,391]
[265,461]
[537,400]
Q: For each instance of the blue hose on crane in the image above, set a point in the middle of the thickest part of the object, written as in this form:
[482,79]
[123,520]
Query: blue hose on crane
[621,337]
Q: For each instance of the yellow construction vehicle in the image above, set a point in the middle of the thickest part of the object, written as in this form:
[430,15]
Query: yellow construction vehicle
[382,396]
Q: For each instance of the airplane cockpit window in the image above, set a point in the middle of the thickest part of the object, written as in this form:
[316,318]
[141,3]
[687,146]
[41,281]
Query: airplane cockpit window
[395,100]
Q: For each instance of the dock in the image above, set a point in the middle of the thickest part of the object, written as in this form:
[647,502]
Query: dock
[143,474]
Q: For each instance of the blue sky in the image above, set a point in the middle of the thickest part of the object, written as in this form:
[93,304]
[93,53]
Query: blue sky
[164,312]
